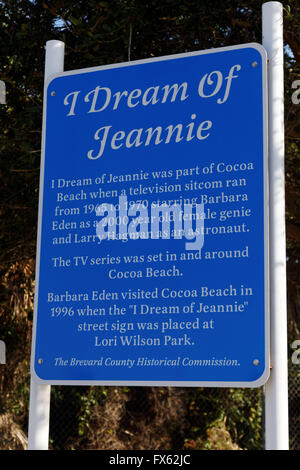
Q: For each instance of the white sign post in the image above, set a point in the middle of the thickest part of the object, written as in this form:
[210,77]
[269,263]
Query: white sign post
[39,407]
[276,389]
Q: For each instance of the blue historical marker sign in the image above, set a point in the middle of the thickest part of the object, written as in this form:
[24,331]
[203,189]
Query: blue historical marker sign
[152,263]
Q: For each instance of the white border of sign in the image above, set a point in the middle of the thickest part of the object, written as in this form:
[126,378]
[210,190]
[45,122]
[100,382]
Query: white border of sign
[263,378]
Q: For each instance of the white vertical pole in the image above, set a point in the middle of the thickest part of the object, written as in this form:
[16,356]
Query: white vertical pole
[39,406]
[276,389]
[39,416]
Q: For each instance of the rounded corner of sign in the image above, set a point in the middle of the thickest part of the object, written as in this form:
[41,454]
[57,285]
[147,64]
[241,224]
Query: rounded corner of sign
[36,378]
[51,79]
[262,379]
[259,48]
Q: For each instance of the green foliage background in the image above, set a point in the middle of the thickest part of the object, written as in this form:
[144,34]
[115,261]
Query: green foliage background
[98,33]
